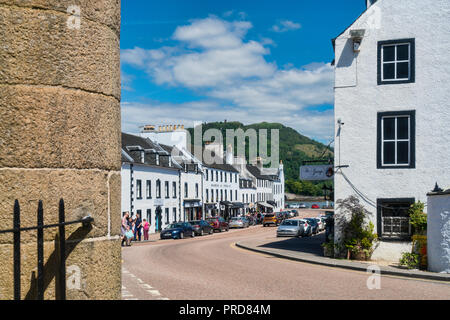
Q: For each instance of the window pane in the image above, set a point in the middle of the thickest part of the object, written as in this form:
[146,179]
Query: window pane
[403,128]
[388,71]
[388,128]
[403,70]
[403,52]
[388,53]
[389,153]
[403,152]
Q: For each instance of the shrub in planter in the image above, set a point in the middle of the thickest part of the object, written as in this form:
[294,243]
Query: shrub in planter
[410,260]
[420,249]
[358,236]
[328,248]
[418,219]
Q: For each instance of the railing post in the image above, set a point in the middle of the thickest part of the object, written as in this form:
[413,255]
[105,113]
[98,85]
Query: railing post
[16,224]
[62,251]
[40,251]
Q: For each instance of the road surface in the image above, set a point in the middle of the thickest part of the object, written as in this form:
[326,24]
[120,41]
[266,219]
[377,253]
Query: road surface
[213,268]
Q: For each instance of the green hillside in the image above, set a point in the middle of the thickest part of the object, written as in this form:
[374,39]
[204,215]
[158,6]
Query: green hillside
[294,148]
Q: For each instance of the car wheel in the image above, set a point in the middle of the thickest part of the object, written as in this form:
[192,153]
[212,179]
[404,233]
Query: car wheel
[201,232]
[211,231]
[192,234]
[181,235]
[227,229]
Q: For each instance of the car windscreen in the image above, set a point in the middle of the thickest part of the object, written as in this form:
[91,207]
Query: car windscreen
[290,223]
[197,222]
[175,225]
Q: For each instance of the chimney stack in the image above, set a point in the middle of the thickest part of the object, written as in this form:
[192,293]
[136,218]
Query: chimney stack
[370,2]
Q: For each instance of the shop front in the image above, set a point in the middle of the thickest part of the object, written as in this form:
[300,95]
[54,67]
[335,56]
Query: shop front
[192,209]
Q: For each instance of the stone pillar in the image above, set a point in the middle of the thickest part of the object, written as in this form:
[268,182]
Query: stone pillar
[60,138]
[438,231]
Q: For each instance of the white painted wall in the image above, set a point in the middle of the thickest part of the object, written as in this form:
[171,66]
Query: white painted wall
[438,233]
[358,98]
[213,184]
[152,173]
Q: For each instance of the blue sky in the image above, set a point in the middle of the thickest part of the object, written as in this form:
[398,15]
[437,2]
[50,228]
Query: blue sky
[251,60]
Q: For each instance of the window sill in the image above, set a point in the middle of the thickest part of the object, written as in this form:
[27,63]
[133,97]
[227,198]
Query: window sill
[412,166]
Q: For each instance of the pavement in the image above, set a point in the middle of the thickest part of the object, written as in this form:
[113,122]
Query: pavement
[212,267]
[309,250]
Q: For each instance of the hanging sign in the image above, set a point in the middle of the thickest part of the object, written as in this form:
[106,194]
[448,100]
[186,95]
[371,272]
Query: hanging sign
[317,172]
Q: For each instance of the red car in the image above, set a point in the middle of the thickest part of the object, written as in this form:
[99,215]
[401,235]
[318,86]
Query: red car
[218,223]
[315,206]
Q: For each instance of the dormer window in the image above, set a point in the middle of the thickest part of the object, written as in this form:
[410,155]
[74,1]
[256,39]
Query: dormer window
[396,61]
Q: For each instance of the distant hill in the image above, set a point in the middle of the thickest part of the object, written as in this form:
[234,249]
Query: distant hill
[294,148]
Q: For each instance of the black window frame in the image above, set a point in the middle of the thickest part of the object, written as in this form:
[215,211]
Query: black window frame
[166,189]
[382,202]
[138,189]
[412,61]
[148,189]
[186,190]
[412,122]
[174,189]
[158,189]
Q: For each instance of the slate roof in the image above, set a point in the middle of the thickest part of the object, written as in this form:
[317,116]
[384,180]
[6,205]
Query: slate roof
[152,148]
[257,173]
[224,167]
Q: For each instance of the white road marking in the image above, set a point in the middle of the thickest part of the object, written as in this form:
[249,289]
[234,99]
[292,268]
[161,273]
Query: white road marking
[126,295]
[154,293]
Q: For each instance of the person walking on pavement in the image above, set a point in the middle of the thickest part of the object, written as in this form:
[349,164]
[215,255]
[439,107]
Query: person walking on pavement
[124,226]
[146,229]
[137,227]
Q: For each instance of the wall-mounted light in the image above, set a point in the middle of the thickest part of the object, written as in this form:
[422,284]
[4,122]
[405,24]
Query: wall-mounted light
[357,36]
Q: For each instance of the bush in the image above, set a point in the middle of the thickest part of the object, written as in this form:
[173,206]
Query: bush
[418,219]
[358,237]
[410,260]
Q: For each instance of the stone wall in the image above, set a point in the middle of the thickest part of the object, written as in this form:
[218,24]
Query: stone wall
[60,138]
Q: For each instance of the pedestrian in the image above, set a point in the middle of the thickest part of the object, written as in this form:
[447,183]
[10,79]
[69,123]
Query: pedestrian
[124,226]
[146,229]
[129,236]
[137,227]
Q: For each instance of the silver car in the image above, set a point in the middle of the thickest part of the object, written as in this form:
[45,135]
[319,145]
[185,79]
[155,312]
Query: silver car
[237,222]
[291,228]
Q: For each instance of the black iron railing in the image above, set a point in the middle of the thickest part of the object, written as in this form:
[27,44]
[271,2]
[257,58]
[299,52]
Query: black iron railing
[86,221]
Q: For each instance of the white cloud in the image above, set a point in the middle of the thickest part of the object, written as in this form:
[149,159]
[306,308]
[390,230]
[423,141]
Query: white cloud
[312,124]
[214,60]
[286,25]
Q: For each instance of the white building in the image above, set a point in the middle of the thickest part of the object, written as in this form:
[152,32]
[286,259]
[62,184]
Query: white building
[191,183]
[391,108]
[221,190]
[150,182]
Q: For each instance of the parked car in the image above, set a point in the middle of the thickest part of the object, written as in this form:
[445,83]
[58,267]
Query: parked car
[291,228]
[271,219]
[302,206]
[320,224]
[177,230]
[251,220]
[308,228]
[294,206]
[314,225]
[315,206]
[218,223]
[238,222]
[201,227]
[282,216]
